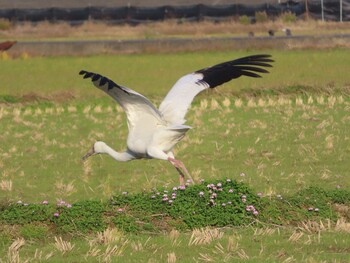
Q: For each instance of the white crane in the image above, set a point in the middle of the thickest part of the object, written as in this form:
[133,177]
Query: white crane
[153,132]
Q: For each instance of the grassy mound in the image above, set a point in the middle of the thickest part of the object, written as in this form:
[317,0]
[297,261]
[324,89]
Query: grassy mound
[222,203]
[219,204]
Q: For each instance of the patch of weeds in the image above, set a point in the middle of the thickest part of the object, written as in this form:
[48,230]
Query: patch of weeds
[126,223]
[315,202]
[309,204]
[278,211]
[339,196]
[84,216]
[9,99]
[220,204]
[21,213]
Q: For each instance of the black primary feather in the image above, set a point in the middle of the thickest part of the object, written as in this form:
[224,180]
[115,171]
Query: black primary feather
[86,74]
[96,77]
[224,72]
[103,80]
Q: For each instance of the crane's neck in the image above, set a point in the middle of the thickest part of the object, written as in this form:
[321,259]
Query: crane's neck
[119,156]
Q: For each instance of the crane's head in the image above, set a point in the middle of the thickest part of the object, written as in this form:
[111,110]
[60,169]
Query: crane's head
[97,148]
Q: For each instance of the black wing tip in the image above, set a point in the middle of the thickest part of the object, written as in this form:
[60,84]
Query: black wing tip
[86,74]
[250,66]
[82,72]
[258,58]
[103,80]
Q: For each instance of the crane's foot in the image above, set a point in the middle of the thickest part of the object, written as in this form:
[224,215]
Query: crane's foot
[179,165]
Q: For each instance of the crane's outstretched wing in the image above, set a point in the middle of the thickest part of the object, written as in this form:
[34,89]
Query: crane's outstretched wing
[139,110]
[176,103]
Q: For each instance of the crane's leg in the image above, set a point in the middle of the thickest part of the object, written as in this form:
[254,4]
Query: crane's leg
[179,165]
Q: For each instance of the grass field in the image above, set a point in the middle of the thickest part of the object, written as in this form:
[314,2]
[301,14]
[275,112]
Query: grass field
[153,74]
[279,134]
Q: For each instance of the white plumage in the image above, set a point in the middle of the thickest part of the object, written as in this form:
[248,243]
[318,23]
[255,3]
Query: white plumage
[153,132]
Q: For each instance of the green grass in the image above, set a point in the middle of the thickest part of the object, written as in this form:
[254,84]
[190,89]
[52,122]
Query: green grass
[280,135]
[153,74]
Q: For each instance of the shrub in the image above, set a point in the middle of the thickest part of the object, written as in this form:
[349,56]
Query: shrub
[244,20]
[4,56]
[261,17]
[288,17]
[5,24]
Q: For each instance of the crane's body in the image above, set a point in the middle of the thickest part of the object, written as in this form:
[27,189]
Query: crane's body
[153,133]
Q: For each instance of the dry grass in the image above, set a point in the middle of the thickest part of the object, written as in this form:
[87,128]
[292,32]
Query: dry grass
[107,237]
[40,257]
[139,246]
[296,236]
[65,189]
[265,231]
[204,236]
[112,251]
[13,251]
[171,257]
[170,28]
[63,246]
[6,185]
[174,235]
[342,225]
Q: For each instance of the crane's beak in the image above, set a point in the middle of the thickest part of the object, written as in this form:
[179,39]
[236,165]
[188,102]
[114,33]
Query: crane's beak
[91,152]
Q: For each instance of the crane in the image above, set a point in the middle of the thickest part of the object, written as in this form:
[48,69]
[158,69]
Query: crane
[153,132]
